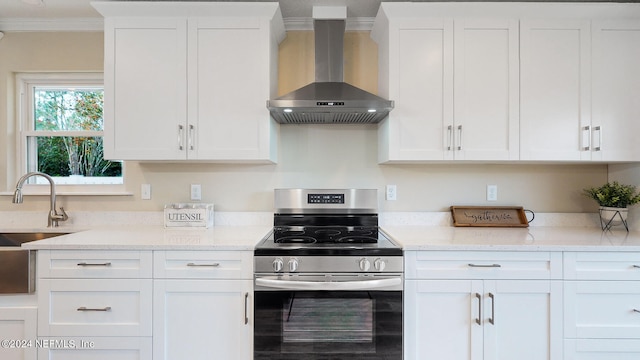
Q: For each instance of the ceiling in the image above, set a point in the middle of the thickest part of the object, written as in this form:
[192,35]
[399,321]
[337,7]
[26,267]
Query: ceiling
[79,15]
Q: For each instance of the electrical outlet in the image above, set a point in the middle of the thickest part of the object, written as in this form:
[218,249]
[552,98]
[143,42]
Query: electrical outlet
[391,193]
[196,192]
[145,192]
[492,192]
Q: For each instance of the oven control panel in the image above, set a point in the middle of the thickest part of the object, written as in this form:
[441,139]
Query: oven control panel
[325,198]
[308,264]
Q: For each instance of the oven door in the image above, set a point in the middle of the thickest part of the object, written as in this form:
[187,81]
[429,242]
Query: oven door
[334,324]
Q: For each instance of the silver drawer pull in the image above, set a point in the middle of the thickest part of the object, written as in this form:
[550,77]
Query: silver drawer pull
[203,265]
[636,310]
[635,266]
[108,308]
[94,264]
[485,265]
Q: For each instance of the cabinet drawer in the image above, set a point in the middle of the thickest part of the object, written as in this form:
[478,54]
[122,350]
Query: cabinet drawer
[94,264]
[598,349]
[482,265]
[604,310]
[203,264]
[121,307]
[105,348]
[602,265]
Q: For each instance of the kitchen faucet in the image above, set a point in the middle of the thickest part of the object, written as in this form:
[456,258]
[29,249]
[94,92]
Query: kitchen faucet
[54,217]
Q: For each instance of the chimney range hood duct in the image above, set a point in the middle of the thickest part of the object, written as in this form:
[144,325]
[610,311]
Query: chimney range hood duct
[329,100]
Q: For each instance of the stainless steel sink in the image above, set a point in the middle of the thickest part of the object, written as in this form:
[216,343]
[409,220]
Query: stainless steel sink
[18,266]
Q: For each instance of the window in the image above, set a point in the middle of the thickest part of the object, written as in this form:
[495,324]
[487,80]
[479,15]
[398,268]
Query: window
[61,129]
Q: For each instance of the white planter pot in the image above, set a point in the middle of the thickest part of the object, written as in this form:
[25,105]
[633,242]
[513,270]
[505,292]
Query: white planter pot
[611,216]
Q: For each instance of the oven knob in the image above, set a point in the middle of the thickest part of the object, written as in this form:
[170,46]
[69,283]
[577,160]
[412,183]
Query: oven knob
[365,264]
[293,265]
[379,264]
[278,264]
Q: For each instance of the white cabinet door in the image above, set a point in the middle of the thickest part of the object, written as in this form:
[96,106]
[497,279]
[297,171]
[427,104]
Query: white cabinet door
[490,319]
[555,90]
[203,319]
[229,82]
[616,85]
[18,331]
[417,65]
[145,111]
[522,320]
[440,319]
[486,100]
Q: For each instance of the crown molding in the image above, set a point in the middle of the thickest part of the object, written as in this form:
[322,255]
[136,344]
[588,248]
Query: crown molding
[97,24]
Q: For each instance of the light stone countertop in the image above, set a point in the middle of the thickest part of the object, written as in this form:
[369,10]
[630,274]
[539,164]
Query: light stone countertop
[513,239]
[236,238]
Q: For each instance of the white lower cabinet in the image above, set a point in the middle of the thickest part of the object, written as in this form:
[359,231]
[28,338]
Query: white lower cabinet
[112,348]
[94,305]
[602,306]
[18,327]
[202,319]
[474,318]
[203,305]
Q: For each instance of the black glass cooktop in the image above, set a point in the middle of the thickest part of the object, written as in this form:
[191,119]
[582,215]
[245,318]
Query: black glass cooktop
[326,240]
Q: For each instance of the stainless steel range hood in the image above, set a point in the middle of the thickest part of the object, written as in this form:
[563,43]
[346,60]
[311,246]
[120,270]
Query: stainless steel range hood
[329,100]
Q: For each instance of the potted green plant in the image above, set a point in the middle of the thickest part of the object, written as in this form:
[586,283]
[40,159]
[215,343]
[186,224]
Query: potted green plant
[614,199]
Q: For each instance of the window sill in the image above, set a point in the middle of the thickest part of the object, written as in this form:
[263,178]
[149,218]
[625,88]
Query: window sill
[71,190]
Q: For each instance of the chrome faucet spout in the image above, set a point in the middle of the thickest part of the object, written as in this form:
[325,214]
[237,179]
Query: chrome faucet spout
[54,217]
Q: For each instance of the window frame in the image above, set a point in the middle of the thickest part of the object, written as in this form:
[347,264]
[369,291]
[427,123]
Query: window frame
[25,83]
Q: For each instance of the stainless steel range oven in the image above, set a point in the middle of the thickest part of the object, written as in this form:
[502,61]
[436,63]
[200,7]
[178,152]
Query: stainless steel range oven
[328,283]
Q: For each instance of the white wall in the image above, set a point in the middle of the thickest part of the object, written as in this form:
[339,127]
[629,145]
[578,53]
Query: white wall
[309,156]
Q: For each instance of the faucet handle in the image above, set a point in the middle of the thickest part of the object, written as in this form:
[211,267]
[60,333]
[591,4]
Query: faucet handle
[63,216]
[54,217]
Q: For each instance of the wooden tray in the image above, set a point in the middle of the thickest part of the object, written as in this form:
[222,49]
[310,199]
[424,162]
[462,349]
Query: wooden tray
[489,216]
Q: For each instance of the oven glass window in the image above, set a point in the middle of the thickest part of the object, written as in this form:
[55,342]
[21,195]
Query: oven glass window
[328,325]
[327,320]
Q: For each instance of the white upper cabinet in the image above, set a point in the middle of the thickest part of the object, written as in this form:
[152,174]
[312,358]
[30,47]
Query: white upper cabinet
[454,83]
[509,81]
[416,64]
[616,90]
[190,81]
[485,90]
[555,102]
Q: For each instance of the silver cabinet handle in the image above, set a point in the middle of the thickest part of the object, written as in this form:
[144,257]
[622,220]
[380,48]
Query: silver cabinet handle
[180,137]
[191,133]
[635,266]
[108,308]
[459,137]
[479,297]
[492,319]
[449,137]
[94,264]
[203,265]
[587,129]
[485,265]
[246,308]
[636,310]
[599,130]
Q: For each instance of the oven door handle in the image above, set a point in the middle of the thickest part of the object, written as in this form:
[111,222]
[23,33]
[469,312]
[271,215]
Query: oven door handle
[328,285]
